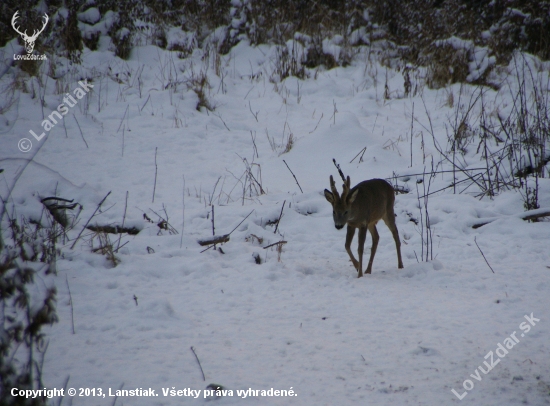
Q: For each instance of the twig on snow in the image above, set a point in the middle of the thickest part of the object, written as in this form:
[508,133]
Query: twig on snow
[489,265]
[279,219]
[200,366]
[226,235]
[294,176]
[90,219]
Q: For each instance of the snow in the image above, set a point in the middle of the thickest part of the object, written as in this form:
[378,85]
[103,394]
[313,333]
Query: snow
[479,59]
[306,322]
[90,16]
[91,23]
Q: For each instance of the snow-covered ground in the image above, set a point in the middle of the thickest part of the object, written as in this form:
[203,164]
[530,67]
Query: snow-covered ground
[300,320]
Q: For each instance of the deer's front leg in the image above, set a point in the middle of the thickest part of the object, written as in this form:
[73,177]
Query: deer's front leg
[362,237]
[375,238]
[349,238]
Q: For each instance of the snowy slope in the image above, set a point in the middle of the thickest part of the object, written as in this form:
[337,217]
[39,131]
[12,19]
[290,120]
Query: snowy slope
[395,337]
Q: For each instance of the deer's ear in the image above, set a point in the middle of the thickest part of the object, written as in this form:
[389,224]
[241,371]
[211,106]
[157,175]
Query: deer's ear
[329,196]
[353,196]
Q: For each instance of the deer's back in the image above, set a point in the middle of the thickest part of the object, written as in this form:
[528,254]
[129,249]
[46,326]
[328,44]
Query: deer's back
[374,199]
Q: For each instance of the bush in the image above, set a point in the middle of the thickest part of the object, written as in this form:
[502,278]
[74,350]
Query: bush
[27,255]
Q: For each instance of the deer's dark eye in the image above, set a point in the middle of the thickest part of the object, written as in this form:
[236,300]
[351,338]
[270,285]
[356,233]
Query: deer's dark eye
[345,213]
[333,212]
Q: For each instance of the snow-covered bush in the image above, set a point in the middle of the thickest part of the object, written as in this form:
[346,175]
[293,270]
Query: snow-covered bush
[425,33]
[27,303]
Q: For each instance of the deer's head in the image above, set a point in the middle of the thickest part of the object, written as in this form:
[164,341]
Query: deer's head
[29,40]
[341,205]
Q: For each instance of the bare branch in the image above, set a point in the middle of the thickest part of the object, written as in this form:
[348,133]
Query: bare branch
[275,243]
[294,176]
[90,219]
[483,256]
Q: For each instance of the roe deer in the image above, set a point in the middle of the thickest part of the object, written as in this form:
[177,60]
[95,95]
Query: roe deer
[362,207]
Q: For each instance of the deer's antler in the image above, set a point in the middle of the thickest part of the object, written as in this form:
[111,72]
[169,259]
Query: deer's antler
[15,16]
[346,187]
[333,188]
[35,34]
[24,34]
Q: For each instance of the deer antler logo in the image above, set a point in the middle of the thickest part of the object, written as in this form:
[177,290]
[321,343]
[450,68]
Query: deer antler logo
[29,40]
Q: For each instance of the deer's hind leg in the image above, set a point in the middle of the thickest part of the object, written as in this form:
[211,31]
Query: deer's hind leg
[389,219]
[375,237]
[349,238]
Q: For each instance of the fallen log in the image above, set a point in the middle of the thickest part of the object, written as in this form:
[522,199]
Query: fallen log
[527,215]
[113,229]
[217,239]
